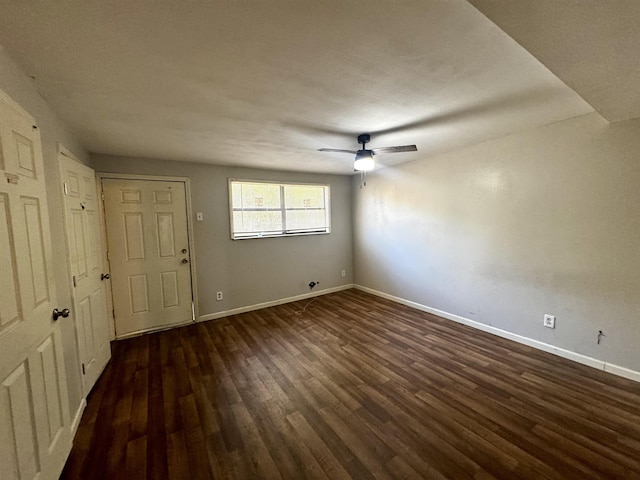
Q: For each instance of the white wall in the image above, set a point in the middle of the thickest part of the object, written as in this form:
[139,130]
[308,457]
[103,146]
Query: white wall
[254,271]
[21,88]
[543,221]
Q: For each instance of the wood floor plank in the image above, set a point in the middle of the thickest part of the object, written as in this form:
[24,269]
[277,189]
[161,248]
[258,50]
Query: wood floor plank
[353,386]
[323,455]
[176,453]
[136,449]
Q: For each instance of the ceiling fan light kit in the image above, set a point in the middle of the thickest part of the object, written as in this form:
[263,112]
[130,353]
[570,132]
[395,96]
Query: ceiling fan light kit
[364,161]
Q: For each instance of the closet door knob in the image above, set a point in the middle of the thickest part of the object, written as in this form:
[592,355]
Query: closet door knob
[57,313]
[105,276]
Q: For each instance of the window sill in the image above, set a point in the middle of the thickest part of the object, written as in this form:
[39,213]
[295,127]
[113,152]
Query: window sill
[280,235]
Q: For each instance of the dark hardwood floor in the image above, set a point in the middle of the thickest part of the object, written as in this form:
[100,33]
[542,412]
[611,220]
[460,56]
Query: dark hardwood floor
[354,387]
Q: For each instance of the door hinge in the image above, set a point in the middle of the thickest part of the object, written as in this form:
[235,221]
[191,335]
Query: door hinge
[74,281]
[66,188]
[102,195]
[83,371]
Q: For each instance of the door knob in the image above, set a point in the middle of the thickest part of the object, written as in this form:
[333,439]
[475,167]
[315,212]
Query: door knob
[184,250]
[57,313]
[184,260]
[105,276]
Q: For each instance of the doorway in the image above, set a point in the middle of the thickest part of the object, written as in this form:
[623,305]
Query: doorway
[149,252]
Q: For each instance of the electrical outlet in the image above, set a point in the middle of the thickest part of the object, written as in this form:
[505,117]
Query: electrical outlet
[550,321]
[218,295]
[344,273]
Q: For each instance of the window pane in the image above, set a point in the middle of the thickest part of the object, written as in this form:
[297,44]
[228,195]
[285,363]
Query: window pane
[306,220]
[255,195]
[304,196]
[257,222]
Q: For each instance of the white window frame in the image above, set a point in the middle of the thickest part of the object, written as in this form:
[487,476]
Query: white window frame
[282,209]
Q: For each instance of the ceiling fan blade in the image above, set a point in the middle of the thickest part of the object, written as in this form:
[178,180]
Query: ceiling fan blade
[338,150]
[403,148]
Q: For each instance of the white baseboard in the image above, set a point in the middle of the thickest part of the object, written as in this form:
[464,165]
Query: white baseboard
[576,357]
[622,371]
[78,416]
[273,303]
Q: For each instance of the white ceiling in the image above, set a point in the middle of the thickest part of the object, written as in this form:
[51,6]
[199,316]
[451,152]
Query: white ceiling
[592,45]
[266,83]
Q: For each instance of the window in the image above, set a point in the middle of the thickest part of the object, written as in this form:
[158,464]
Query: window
[261,209]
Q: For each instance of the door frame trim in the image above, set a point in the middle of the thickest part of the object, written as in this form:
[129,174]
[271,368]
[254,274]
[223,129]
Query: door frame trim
[192,246]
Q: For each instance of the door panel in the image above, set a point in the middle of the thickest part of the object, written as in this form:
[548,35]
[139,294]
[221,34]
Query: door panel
[134,236]
[86,264]
[170,295]
[50,379]
[9,297]
[164,233]
[147,233]
[26,155]
[78,255]
[35,435]
[138,293]
[18,421]
[38,290]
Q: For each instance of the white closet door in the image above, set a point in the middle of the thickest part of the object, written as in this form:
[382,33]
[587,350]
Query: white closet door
[35,438]
[88,273]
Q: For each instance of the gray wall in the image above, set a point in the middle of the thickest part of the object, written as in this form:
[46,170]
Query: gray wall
[252,271]
[21,88]
[543,221]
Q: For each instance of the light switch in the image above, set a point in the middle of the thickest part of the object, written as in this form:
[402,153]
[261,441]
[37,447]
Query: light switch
[199,217]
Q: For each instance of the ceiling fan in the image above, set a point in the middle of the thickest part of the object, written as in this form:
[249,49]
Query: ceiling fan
[364,161]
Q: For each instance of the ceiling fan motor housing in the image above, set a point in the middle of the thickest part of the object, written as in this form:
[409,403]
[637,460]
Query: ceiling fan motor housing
[364,154]
[364,139]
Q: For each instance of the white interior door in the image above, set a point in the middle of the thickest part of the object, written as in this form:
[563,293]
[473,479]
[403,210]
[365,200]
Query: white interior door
[35,438]
[87,270]
[148,251]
